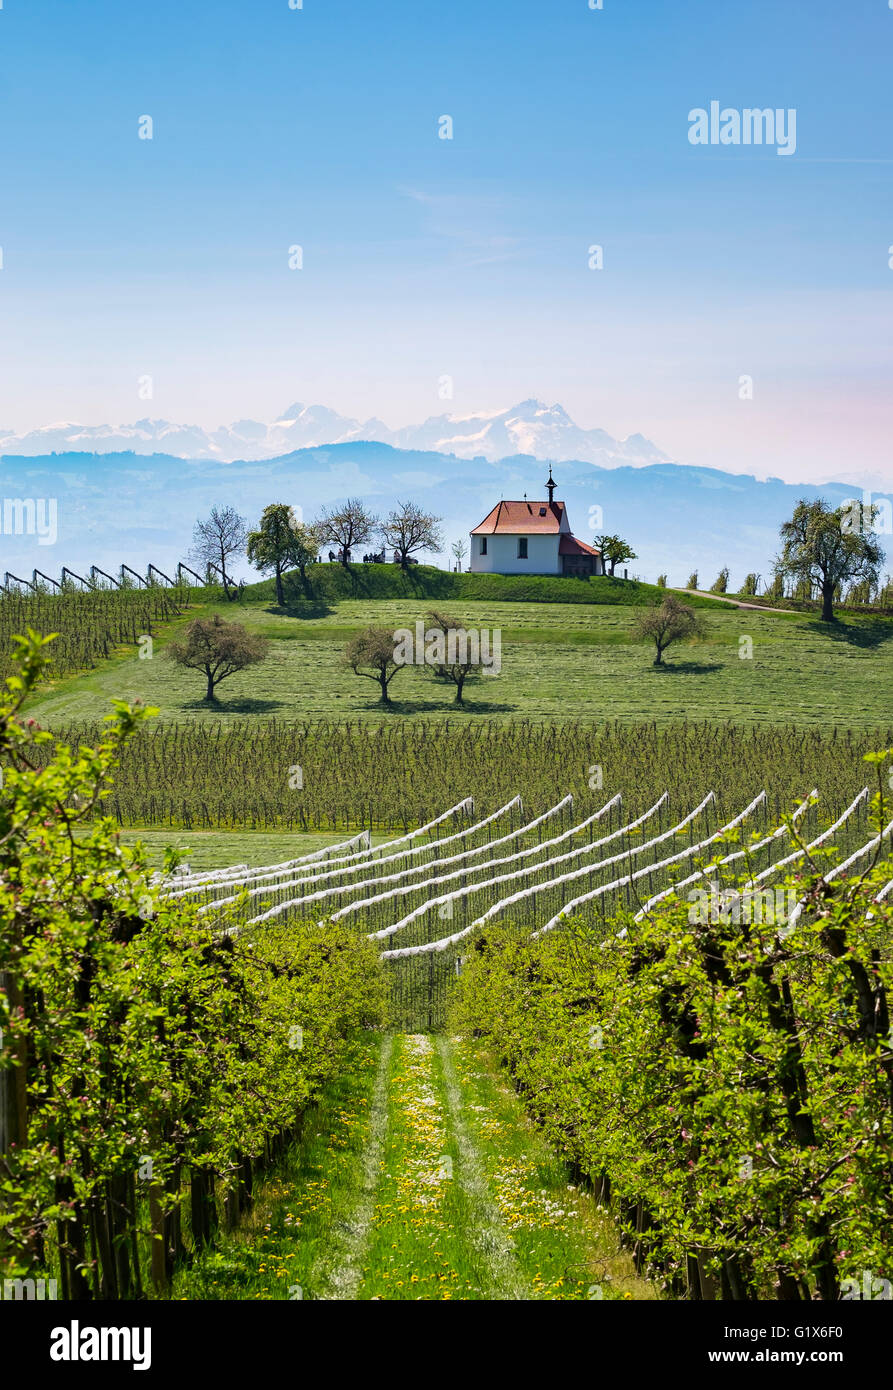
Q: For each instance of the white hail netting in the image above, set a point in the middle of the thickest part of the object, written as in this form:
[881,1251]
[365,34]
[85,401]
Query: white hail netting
[489,864]
[377,880]
[879,898]
[841,868]
[442,899]
[334,875]
[239,873]
[548,886]
[814,844]
[727,859]
[650,868]
[341,887]
[276,870]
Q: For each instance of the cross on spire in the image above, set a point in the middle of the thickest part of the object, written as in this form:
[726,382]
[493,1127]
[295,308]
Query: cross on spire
[551,485]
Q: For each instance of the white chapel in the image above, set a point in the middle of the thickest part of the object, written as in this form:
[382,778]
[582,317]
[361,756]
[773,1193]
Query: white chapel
[531,538]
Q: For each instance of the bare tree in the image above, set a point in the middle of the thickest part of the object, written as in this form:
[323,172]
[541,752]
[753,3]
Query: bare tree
[461,657]
[408,529]
[665,623]
[371,654]
[346,527]
[217,540]
[218,649]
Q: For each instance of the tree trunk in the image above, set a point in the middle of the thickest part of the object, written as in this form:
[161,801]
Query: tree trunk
[13,1081]
[383,682]
[203,1206]
[280,596]
[121,1216]
[827,603]
[159,1256]
[209,696]
[226,591]
[706,1281]
[101,1241]
[459,684]
[788,1288]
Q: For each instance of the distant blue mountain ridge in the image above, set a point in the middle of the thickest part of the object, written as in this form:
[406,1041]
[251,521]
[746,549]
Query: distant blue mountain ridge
[136,508]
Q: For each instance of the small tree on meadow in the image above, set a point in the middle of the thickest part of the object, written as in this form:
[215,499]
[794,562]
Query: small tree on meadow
[692,580]
[347,526]
[216,540]
[408,529]
[665,623]
[371,654]
[218,649]
[462,660]
[721,582]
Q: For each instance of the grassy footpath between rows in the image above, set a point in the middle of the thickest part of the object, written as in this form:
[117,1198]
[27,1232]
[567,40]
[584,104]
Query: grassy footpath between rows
[419,1177]
[567,1245]
[295,1215]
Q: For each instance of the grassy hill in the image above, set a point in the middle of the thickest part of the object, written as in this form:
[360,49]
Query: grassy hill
[571,658]
[330,583]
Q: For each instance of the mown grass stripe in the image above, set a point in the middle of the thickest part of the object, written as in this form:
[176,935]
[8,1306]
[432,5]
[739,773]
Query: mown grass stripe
[488,1233]
[339,1274]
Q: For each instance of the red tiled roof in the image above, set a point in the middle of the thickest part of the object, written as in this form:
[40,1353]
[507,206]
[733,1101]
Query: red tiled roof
[521,518]
[569,545]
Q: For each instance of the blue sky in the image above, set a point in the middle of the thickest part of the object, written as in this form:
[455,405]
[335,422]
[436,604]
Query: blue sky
[424,257]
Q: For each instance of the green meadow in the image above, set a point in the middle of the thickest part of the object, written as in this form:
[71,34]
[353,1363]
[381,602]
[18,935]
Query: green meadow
[558,661]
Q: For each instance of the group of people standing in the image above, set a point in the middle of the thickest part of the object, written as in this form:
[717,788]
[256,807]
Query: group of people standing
[344,557]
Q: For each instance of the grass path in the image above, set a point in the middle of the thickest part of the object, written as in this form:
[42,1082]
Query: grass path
[339,1271]
[735,602]
[419,1176]
[490,1236]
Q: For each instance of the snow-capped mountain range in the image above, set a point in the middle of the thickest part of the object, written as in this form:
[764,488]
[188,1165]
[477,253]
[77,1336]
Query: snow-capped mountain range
[545,431]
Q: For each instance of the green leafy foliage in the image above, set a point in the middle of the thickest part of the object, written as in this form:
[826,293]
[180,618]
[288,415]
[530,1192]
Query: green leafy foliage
[725,1077]
[824,547]
[282,543]
[146,1054]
